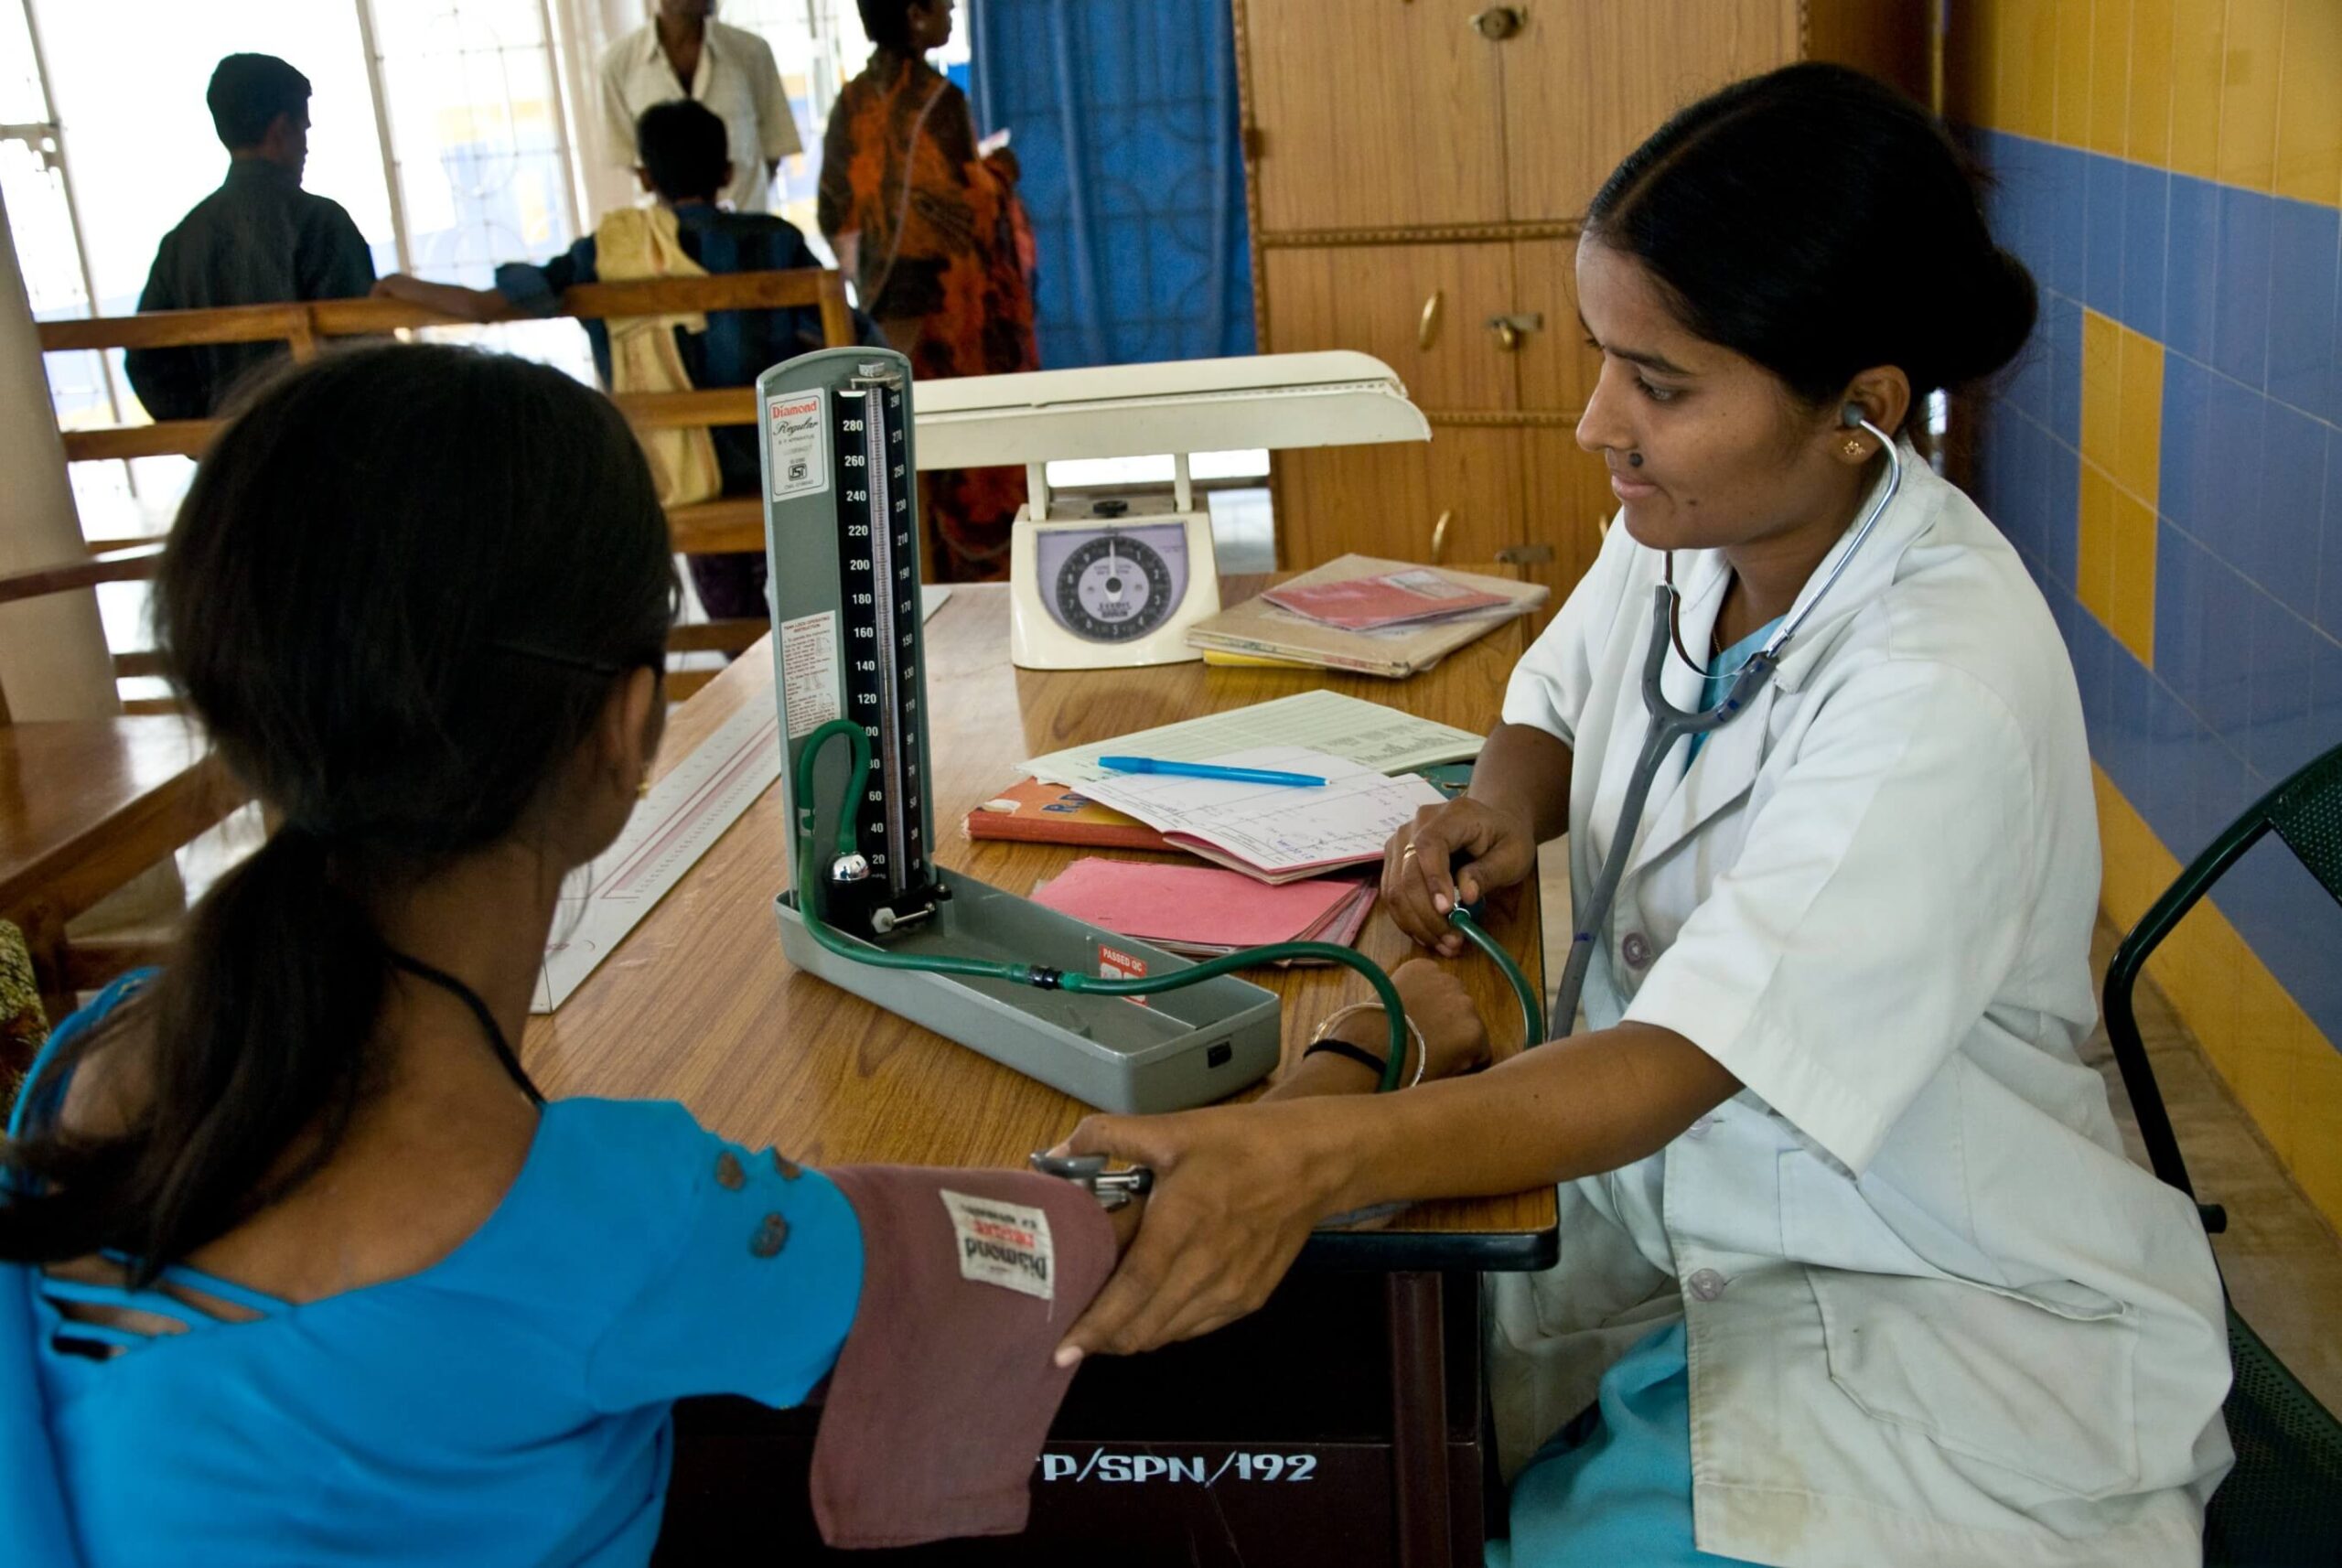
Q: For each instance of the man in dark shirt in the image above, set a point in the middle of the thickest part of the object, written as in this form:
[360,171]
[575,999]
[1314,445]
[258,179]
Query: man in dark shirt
[260,239]
[686,165]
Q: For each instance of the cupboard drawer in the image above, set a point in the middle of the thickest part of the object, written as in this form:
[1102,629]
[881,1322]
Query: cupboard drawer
[1585,84]
[1420,309]
[1371,113]
[1565,500]
[1389,501]
[1554,368]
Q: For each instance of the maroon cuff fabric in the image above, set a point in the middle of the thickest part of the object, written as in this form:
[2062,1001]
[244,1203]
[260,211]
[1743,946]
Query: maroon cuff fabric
[944,1393]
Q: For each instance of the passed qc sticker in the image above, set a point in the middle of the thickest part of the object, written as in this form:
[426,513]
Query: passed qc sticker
[1005,1244]
[798,425]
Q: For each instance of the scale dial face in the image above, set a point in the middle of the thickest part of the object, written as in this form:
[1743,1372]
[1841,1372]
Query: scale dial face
[1113,584]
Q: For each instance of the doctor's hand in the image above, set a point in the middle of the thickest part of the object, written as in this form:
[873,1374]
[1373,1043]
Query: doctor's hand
[1235,1196]
[1501,847]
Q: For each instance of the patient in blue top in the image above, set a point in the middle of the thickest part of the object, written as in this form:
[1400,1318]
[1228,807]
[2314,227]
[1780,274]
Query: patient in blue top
[296,1266]
[507,1403]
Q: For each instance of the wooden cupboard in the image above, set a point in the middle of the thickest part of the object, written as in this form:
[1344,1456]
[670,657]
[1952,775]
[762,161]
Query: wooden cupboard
[1415,173]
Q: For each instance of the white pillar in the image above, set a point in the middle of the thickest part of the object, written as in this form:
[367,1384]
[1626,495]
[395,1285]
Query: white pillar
[53,659]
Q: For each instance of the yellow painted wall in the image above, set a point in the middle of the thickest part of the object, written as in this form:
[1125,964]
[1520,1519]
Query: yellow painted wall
[2248,93]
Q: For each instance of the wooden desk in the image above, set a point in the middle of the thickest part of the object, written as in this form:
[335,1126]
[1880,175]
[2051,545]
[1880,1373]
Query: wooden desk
[699,1006]
[85,806]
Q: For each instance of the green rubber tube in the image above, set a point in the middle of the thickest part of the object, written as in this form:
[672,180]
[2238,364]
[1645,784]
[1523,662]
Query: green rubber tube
[830,937]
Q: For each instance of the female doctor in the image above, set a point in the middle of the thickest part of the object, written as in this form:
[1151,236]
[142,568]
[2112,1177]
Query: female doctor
[1852,1268]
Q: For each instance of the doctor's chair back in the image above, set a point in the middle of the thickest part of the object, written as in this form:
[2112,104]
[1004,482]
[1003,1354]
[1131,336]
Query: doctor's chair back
[2282,1503]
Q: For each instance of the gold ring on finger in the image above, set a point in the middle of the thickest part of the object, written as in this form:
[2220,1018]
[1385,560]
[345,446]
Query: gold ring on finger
[1406,852]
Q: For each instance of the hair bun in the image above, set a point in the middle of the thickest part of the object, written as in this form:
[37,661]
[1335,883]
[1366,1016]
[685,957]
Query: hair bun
[1991,319]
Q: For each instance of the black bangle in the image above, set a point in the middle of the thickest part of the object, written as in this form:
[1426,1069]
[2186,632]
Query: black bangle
[1364,1058]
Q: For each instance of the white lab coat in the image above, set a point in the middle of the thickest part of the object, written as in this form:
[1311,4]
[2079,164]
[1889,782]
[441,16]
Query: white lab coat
[1934,1315]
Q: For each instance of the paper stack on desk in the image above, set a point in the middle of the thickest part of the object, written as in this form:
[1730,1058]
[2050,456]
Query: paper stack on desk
[1405,597]
[1374,616]
[1273,832]
[1202,911]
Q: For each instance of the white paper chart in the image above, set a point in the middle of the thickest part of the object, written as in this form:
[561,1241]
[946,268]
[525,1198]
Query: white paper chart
[685,813]
[1275,828]
[1384,740]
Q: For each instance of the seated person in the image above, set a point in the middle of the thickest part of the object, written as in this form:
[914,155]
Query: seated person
[1853,1268]
[295,1263]
[685,166]
[260,239]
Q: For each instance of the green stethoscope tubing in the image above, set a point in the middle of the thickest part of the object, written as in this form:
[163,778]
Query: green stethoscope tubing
[1042,977]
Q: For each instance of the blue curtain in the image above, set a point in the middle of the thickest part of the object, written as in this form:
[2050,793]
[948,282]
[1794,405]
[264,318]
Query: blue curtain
[1123,116]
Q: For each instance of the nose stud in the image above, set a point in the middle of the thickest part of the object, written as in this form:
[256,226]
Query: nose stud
[1634,459]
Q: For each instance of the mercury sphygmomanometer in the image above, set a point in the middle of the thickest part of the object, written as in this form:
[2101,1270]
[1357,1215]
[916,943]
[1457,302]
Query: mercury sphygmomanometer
[867,908]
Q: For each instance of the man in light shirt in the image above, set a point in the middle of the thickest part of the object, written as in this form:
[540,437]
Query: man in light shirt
[685,52]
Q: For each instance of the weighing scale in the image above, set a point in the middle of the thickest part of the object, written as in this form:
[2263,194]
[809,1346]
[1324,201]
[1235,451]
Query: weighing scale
[1117,582]
[842,542]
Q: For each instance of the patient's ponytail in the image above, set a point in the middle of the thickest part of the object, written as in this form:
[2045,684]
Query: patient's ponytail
[398,596]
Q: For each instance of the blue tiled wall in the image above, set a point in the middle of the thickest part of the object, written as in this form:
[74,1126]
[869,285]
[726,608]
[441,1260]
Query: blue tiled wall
[2244,290]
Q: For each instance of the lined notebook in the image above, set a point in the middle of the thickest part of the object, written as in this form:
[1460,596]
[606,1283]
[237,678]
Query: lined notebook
[1200,911]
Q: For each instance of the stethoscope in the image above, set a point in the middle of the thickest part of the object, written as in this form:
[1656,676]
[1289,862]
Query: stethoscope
[1669,723]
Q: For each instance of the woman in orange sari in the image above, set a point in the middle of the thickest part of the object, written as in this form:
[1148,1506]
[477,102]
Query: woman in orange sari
[938,244]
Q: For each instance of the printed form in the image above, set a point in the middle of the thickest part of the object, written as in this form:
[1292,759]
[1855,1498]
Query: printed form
[1380,739]
[1273,831]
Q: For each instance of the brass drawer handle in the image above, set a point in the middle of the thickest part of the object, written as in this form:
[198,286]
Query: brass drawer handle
[1427,329]
[1512,331]
[1439,537]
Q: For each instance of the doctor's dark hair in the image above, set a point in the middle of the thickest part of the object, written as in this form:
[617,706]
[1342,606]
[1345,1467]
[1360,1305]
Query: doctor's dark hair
[399,595]
[1819,222]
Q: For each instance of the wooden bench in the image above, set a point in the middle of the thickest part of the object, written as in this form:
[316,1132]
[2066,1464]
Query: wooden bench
[88,805]
[730,523]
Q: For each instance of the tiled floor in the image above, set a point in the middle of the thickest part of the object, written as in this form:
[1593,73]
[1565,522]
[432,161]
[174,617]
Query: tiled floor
[2282,1259]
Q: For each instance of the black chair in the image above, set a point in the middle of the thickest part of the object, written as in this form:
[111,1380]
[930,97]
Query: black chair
[2282,1505]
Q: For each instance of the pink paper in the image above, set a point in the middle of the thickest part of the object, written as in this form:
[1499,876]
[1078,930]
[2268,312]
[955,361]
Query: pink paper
[1361,604]
[1197,904]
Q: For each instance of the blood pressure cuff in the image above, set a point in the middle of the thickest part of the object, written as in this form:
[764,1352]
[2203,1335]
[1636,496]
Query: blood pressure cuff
[944,1391]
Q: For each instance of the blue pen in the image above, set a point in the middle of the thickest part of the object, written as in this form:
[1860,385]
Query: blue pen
[1206,770]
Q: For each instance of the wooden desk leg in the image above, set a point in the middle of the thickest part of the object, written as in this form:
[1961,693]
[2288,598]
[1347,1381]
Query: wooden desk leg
[1419,1422]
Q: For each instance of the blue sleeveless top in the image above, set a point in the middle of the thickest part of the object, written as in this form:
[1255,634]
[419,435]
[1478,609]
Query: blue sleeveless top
[511,1403]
